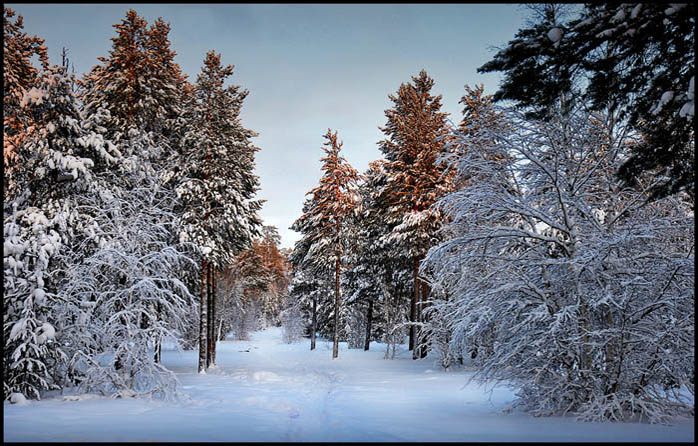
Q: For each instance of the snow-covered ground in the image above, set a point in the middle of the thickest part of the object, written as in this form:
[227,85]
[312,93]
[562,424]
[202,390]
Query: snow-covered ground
[264,390]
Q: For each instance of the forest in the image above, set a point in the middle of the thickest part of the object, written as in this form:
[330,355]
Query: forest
[545,237]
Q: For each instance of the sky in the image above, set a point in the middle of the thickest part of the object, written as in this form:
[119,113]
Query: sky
[308,67]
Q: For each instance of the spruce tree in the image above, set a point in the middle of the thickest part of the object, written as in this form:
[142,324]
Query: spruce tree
[41,223]
[635,58]
[311,275]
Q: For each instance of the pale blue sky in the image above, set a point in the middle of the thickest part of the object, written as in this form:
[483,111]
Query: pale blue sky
[307,66]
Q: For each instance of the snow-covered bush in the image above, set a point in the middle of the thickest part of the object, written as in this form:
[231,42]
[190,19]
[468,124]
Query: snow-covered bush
[571,287]
[123,298]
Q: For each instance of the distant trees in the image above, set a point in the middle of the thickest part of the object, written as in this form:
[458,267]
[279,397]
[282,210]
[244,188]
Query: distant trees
[261,273]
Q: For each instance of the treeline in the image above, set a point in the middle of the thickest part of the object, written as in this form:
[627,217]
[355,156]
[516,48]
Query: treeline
[129,206]
[547,237]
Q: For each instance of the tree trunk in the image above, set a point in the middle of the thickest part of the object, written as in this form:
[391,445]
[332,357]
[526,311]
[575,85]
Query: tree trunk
[203,321]
[211,341]
[425,294]
[369,320]
[413,310]
[335,343]
[158,341]
[220,328]
[213,315]
[314,324]
[158,351]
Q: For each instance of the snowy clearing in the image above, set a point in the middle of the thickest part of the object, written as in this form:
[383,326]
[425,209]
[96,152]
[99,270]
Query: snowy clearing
[264,390]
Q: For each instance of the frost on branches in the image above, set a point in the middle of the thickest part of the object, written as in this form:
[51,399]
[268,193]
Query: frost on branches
[30,351]
[569,286]
[124,298]
[637,57]
[59,154]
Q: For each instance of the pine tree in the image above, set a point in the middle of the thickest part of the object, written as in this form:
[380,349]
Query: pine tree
[333,201]
[135,92]
[139,83]
[218,183]
[19,77]
[417,133]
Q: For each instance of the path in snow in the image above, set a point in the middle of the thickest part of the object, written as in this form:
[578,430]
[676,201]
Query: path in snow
[264,390]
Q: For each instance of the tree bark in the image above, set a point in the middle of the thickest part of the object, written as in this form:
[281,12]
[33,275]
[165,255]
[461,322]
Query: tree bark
[314,324]
[213,315]
[413,309]
[158,341]
[425,294]
[369,320]
[210,326]
[335,343]
[203,320]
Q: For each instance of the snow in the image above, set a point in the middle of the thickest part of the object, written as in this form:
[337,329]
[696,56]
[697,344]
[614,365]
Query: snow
[17,398]
[47,332]
[264,390]
[555,34]
[33,96]
[667,96]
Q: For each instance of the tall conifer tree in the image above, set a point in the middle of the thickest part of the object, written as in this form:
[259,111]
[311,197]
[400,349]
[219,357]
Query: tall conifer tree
[417,133]
[218,183]
[333,200]
[19,77]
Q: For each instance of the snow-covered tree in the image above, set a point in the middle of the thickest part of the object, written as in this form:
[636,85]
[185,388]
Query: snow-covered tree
[19,76]
[638,57]
[309,278]
[122,299]
[478,112]
[138,82]
[218,183]
[417,133]
[292,320]
[578,290]
[333,201]
[310,286]
[260,275]
[370,280]
[60,151]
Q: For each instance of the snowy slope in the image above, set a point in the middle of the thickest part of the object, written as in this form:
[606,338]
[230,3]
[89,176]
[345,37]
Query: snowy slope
[264,390]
